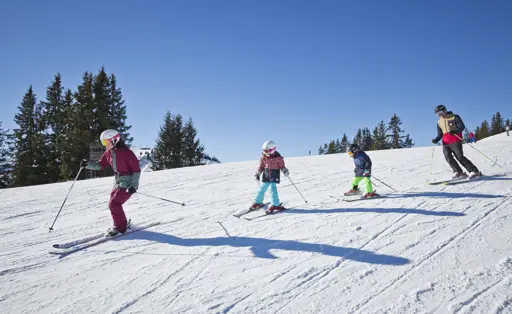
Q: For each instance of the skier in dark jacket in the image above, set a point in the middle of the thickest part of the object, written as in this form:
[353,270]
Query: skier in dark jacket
[449,128]
[362,172]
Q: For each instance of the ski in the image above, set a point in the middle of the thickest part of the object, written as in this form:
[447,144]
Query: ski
[78,242]
[100,238]
[362,198]
[266,215]
[465,181]
[446,181]
[340,197]
[270,214]
[247,211]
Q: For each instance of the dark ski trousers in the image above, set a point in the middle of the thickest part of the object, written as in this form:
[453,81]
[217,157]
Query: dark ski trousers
[117,198]
[455,149]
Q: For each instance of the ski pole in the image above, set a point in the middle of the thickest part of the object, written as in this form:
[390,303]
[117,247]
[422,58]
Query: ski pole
[495,162]
[163,199]
[51,228]
[383,183]
[297,189]
[432,159]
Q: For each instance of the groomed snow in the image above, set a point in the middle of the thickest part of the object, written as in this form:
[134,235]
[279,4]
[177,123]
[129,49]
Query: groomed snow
[423,249]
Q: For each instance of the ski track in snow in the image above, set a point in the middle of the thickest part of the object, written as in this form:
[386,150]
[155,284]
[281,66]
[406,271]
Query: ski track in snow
[336,265]
[431,254]
[318,257]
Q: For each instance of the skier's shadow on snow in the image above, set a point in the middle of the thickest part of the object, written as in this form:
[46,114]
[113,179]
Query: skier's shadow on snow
[445,195]
[261,247]
[374,210]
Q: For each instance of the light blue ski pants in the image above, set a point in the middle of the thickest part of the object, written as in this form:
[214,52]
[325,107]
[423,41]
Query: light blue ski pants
[273,191]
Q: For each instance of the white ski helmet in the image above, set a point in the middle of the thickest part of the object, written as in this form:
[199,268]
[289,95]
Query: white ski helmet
[110,136]
[268,148]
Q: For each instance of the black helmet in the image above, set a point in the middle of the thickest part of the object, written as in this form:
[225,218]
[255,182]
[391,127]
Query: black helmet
[440,108]
[353,149]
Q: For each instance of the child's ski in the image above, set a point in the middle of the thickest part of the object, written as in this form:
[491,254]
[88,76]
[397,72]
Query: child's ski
[362,198]
[240,213]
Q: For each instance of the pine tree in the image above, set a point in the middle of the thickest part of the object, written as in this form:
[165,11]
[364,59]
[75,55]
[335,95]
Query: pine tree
[25,143]
[83,130]
[331,149]
[396,132]
[396,137]
[192,150]
[54,117]
[358,139]
[337,146]
[102,115]
[5,159]
[168,150]
[161,157]
[118,113]
[496,124]
[344,143]
[42,147]
[64,144]
[477,133]
[354,142]
[407,143]
[366,139]
[321,150]
[484,130]
[380,139]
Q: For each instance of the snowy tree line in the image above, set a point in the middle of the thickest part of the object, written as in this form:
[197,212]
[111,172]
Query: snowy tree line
[497,126]
[53,135]
[383,137]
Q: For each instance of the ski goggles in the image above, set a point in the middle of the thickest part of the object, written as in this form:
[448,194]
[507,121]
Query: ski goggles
[105,141]
[268,151]
[441,113]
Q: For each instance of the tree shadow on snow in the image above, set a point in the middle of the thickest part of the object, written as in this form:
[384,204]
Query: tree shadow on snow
[374,210]
[261,247]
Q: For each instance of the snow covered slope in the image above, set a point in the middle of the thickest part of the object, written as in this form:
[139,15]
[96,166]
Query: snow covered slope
[423,249]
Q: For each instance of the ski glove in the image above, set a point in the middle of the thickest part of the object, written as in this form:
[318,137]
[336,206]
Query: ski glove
[285,171]
[131,190]
[257,176]
[434,141]
[452,132]
[84,163]
[366,173]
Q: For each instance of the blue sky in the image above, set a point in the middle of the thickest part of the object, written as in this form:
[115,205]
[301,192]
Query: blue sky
[298,72]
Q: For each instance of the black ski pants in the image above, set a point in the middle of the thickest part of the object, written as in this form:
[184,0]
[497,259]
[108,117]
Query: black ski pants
[455,149]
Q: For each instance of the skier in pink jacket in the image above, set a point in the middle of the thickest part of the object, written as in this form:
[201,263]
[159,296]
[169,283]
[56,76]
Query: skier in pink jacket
[127,173]
[271,163]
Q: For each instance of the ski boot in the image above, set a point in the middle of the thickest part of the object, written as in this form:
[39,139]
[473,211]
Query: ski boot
[354,191]
[273,208]
[113,231]
[370,195]
[459,175]
[256,206]
[474,174]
